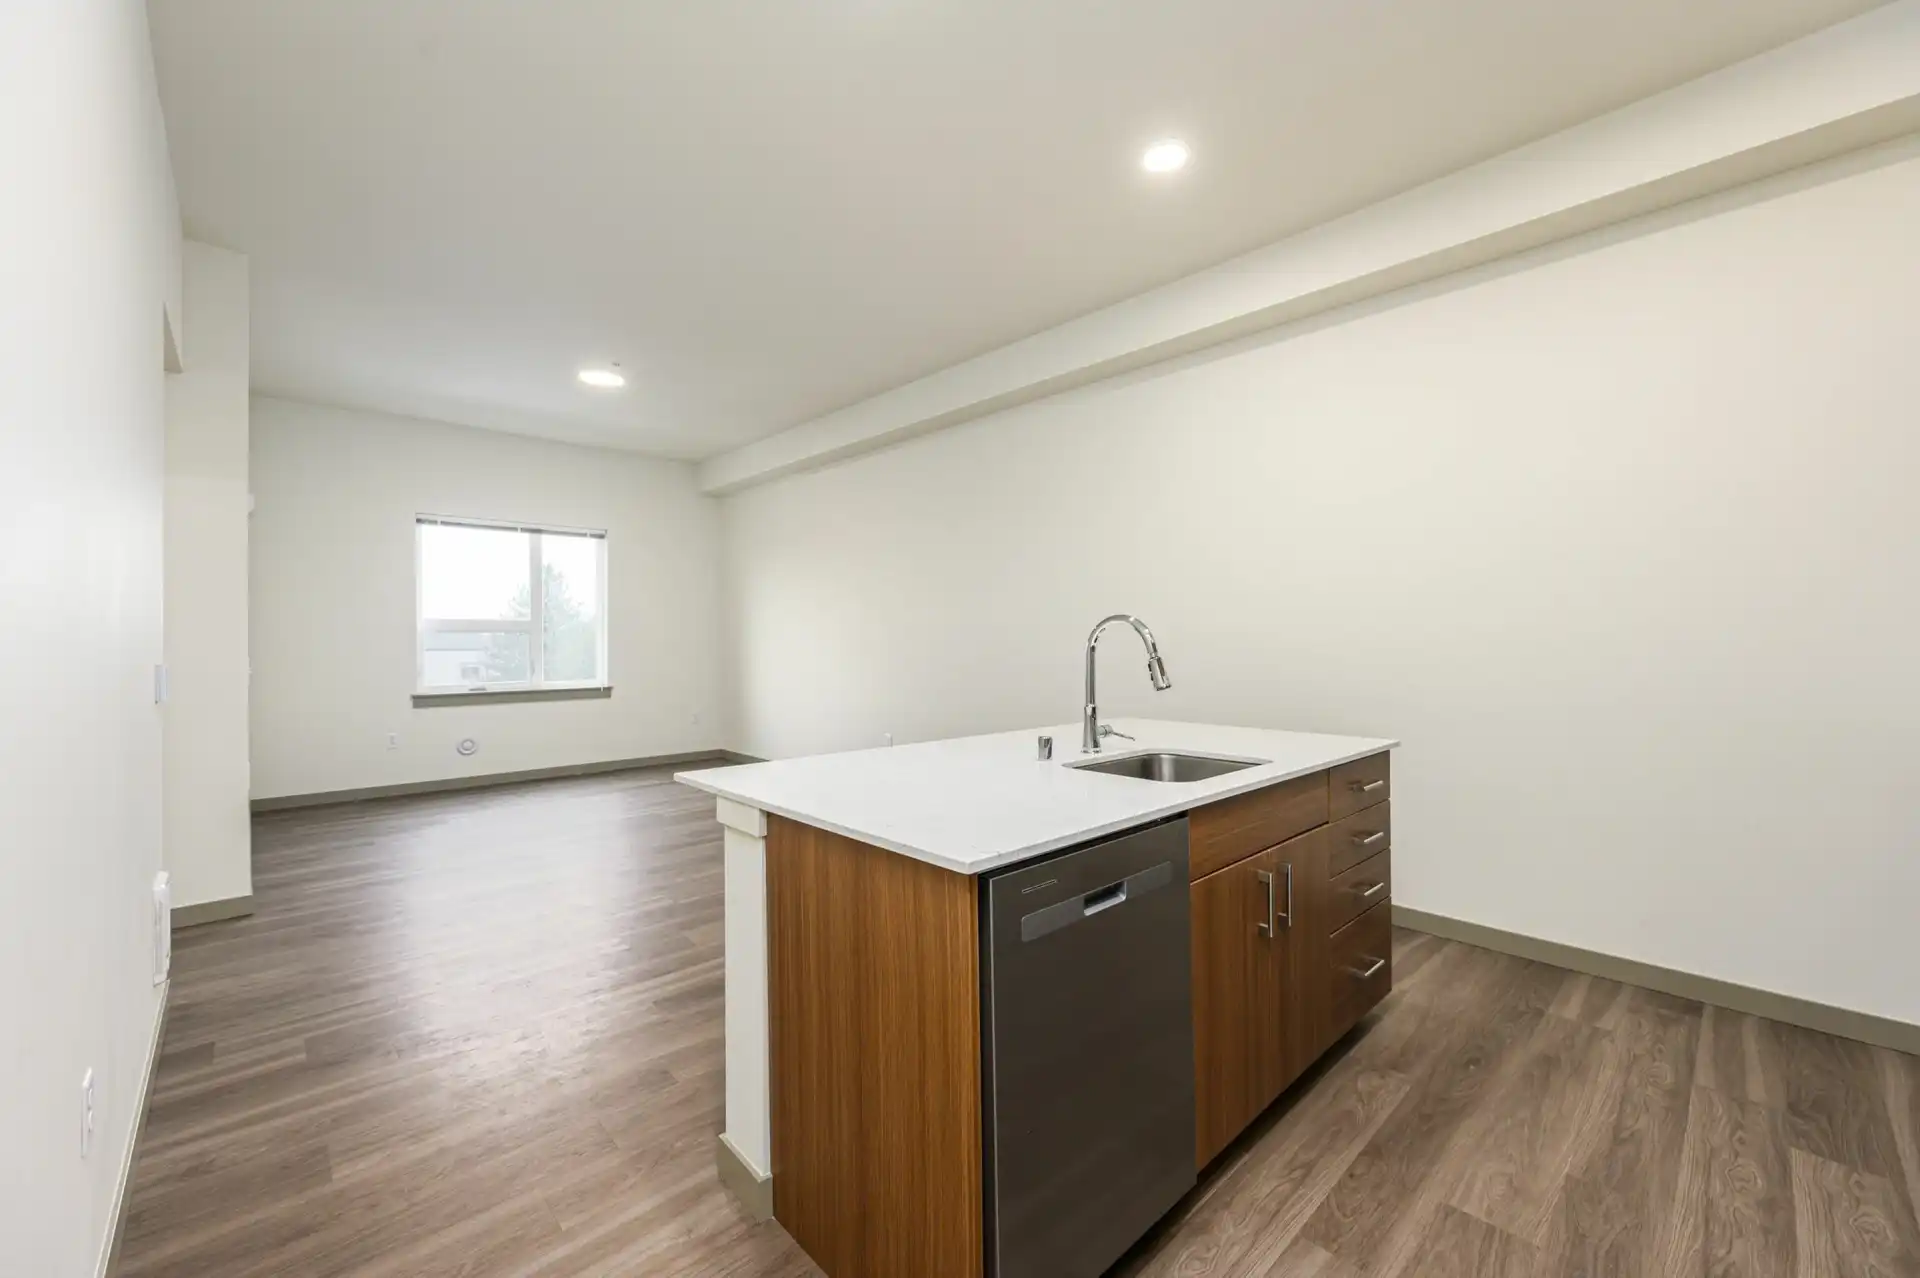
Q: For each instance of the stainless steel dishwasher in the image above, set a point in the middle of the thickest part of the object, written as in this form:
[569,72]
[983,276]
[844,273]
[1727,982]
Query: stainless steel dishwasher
[1088,1038]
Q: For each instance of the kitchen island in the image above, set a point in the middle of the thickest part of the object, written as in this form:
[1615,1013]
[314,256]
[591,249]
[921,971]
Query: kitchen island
[861,1068]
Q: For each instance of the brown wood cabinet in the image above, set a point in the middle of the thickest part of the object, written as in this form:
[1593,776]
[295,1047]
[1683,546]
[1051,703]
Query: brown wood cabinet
[1222,833]
[874,1020]
[1278,979]
[1360,784]
[1359,837]
[874,1008]
[1360,970]
[1240,973]
[1360,889]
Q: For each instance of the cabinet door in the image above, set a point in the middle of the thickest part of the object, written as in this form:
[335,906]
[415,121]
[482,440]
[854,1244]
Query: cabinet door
[1304,992]
[1241,1055]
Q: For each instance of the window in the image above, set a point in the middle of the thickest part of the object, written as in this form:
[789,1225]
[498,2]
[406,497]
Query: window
[509,608]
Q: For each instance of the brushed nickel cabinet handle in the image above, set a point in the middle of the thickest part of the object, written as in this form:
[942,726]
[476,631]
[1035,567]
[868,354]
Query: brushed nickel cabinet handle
[1268,929]
[1367,973]
[1368,840]
[1375,890]
[1366,787]
[1287,918]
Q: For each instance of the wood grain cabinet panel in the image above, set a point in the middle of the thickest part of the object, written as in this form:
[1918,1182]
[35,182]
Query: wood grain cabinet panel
[1266,1009]
[1358,890]
[874,1008]
[1239,971]
[1304,997]
[1360,969]
[1259,993]
[1222,833]
[874,1020]
[1360,784]
[1359,837]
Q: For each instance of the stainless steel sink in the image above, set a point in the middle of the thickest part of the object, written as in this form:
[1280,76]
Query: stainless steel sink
[1163,766]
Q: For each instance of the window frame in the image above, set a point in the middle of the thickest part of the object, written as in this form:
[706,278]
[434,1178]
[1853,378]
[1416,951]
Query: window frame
[532,626]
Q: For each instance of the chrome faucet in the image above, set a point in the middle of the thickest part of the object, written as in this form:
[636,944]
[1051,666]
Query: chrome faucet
[1091,729]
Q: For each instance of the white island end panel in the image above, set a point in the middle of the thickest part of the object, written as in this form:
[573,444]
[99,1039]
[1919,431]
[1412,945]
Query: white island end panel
[749,1119]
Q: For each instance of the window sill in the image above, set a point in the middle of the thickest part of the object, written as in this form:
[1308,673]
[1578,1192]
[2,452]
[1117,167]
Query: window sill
[424,700]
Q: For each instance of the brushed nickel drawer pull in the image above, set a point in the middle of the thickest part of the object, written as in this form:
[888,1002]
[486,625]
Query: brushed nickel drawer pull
[1287,918]
[1372,969]
[1375,890]
[1366,787]
[1368,840]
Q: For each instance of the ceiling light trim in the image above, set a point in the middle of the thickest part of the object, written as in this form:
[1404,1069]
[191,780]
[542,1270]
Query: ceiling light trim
[1166,157]
[602,378]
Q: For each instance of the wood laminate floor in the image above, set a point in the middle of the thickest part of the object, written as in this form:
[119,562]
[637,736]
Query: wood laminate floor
[480,1034]
[1505,1118]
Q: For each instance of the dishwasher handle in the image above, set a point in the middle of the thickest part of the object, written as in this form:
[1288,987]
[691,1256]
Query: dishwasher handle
[1074,909]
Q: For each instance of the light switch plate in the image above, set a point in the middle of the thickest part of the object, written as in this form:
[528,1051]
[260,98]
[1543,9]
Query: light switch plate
[162,927]
[86,1113]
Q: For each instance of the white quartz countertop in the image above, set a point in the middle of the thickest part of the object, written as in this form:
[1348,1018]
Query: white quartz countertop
[973,804]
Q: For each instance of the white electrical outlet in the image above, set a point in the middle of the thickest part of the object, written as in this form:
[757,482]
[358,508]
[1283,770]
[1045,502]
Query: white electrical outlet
[86,1113]
[393,741]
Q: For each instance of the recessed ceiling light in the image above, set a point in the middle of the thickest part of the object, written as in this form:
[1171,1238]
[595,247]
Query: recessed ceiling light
[603,378]
[1169,155]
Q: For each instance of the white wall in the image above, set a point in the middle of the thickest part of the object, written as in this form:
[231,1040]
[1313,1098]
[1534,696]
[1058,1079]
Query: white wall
[208,831]
[89,260]
[1837,90]
[332,607]
[1619,538]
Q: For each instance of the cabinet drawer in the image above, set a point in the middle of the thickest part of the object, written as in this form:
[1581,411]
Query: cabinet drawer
[1359,837]
[1366,885]
[1361,967]
[1233,829]
[1360,784]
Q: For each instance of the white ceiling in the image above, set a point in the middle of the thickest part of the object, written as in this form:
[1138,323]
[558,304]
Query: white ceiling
[767,210]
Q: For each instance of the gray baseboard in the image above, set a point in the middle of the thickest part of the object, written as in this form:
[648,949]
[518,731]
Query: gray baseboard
[754,1191]
[734,756]
[1863,1027]
[232,907]
[110,1251]
[280,803]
